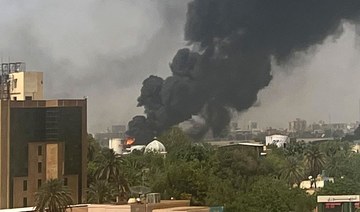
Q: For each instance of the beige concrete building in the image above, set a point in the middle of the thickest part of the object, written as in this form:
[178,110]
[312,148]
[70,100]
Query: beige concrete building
[26,86]
[39,140]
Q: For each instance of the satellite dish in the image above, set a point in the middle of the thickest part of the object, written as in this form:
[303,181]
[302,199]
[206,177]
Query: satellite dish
[139,190]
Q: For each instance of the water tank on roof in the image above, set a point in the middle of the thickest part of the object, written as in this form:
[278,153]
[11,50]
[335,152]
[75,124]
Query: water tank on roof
[116,145]
[153,198]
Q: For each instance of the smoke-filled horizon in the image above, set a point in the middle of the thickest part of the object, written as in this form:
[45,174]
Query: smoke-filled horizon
[234,45]
[318,85]
[99,49]
[105,49]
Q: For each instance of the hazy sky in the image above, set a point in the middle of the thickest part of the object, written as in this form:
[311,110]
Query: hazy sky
[105,49]
[94,48]
[321,84]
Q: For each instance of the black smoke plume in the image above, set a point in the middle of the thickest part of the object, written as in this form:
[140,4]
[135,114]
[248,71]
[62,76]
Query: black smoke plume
[233,43]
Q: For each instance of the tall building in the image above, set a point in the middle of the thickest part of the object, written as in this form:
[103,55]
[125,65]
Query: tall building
[41,140]
[298,125]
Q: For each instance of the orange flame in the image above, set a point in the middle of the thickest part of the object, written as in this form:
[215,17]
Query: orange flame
[129,141]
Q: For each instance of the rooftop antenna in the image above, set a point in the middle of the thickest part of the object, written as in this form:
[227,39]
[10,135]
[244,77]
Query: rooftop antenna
[5,80]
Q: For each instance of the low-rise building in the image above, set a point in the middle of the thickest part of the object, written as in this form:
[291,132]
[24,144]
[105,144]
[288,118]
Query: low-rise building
[278,140]
[246,146]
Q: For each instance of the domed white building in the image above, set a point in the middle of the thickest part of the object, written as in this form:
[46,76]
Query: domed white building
[155,146]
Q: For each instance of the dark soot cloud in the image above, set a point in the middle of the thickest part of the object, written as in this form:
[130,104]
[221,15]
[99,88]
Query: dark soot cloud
[235,41]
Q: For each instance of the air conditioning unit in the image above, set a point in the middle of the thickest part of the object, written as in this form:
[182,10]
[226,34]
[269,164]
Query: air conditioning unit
[153,198]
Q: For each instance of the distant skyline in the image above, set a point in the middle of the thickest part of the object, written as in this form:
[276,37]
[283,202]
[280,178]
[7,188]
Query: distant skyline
[105,49]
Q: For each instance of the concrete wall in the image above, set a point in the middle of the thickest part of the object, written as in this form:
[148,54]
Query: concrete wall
[18,199]
[100,208]
[24,84]
[34,85]
[51,158]
[165,205]
[4,153]
[184,209]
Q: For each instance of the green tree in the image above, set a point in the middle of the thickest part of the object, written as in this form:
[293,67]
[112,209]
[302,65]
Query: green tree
[109,167]
[275,161]
[241,166]
[53,196]
[336,165]
[175,140]
[314,160]
[93,152]
[101,191]
[132,168]
[350,171]
[341,186]
[292,171]
[93,148]
[264,194]
[138,167]
[186,179]
[295,148]
[269,194]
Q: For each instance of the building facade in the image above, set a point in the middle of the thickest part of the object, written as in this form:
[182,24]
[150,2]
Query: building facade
[298,125]
[117,132]
[278,140]
[41,140]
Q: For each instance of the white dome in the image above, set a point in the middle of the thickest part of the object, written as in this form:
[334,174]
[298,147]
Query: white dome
[155,146]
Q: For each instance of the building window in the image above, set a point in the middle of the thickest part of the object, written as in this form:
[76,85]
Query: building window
[65,181]
[15,98]
[39,167]
[28,97]
[25,185]
[25,202]
[15,83]
[39,183]
[40,150]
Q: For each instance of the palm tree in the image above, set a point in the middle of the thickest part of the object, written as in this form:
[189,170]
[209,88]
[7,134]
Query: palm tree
[101,192]
[110,169]
[133,170]
[292,171]
[53,196]
[314,160]
[109,165]
[93,148]
[335,165]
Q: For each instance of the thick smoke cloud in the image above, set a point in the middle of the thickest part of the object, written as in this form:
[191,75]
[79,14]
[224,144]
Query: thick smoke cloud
[99,49]
[233,45]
